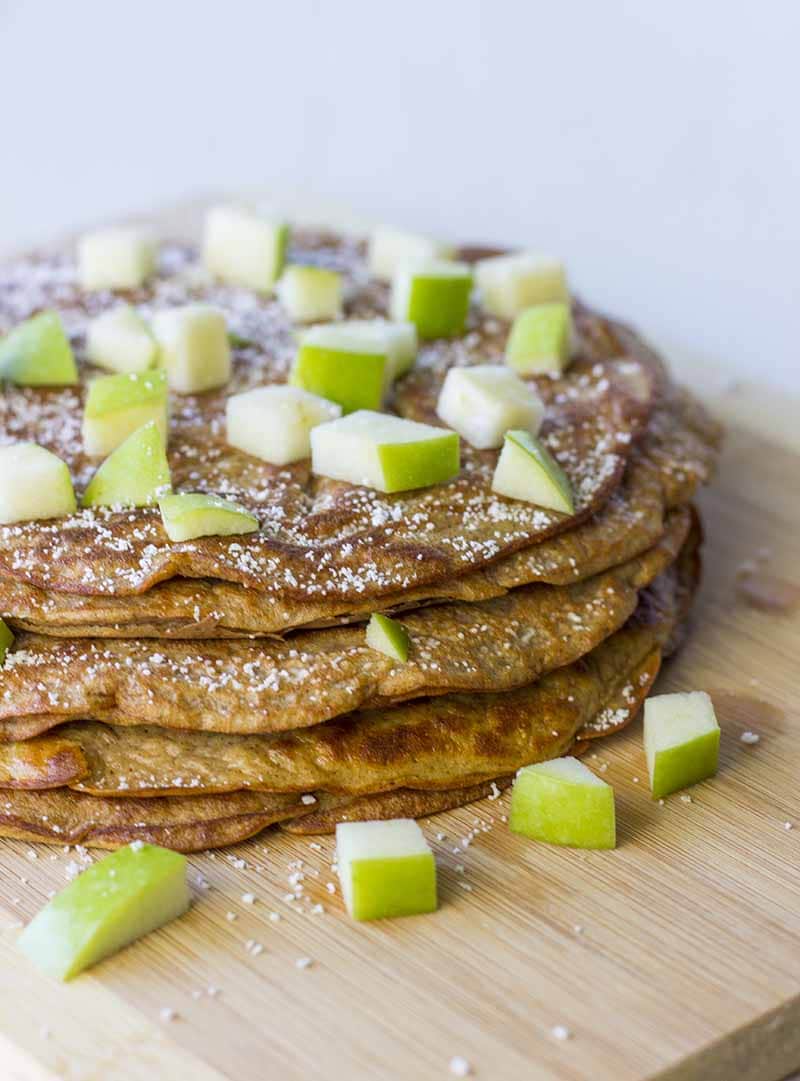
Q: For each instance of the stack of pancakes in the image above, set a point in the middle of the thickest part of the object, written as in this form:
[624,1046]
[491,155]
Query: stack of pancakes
[193,693]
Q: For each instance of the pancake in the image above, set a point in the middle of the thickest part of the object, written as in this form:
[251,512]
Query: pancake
[320,539]
[414,760]
[676,456]
[401,803]
[631,521]
[189,824]
[451,741]
[241,686]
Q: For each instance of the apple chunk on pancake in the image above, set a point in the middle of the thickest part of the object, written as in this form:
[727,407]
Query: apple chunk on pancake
[509,284]
[134,475]
[434,296]
[310,293]
[274,423]
[37,353]
[540,339]
[189,515]
[384,452]
[244,248]
[483,402]
[117,405]
[121,341]
[343,366]
[390,249]
[527,471]
[6,640]
[34,484]
[388,636]
[120,257]
[193,347]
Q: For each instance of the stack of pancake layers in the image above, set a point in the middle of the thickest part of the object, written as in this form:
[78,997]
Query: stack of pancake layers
[192,694]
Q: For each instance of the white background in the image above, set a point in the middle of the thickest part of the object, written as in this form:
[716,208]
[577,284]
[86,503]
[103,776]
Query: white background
[654,145]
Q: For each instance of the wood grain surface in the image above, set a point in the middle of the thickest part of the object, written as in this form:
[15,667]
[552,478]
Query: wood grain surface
[677,956]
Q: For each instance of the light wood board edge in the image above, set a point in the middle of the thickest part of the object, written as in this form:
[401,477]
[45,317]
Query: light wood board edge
[81,1030]
[764,1050]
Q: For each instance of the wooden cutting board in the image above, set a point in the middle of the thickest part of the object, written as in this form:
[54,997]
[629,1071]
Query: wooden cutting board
[677,956]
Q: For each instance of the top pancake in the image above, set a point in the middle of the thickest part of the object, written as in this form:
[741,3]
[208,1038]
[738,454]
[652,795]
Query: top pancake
[320,539]
[632,520]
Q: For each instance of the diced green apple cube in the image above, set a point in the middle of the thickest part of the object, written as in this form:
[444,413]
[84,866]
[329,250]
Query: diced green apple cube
[117,405]
[121,341]
[194,514]
[386,869]
[241,247]
[482,403]
[563,803]
[119,258]
[540,339]
[6,640]
[193,347]
[509,284]
[309,293]
[136,474]
[390,249]
[115,901]
[37,353]
[397,340]
[384,452]
[434,296]
[274,423]
[388,636]
[527,471]
[33,484]
[681,740]
[349,369]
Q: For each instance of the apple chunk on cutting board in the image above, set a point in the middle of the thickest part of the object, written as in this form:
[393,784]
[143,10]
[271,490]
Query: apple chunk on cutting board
[133,891]
[681,740]
[563,803]
[386,869]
